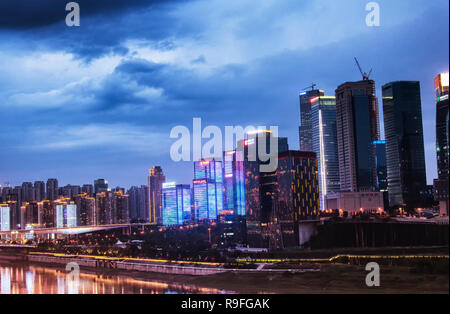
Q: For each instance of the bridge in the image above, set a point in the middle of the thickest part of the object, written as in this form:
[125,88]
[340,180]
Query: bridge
[54,232]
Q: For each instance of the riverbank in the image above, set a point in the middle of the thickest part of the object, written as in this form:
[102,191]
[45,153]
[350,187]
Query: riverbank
[320,277]
[330,279]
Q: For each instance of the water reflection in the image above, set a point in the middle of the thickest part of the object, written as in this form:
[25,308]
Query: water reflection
[24,279]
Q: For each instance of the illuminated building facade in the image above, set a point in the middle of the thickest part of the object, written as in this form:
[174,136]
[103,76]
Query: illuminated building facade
[176,200]
[103,209]
[156,179]
[259,186]
[306,123]
[324,144]
[120,208]
[46,214]
[86,209]
[208,189]
[5,217]
[297,197]
[441,190]
[405,153]
[357,124]
[234,182]
[65,213]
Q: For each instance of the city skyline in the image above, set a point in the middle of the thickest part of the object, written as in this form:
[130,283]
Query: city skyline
[105,91]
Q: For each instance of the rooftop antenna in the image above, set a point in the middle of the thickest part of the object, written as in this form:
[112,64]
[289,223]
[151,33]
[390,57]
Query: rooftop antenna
[365,76]
[312,86]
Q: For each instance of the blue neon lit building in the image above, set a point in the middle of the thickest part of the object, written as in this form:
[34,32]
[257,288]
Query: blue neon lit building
[234,182]
[208,189]
[176,203]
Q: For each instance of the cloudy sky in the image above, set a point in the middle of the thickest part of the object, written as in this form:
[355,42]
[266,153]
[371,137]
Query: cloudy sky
[99,100]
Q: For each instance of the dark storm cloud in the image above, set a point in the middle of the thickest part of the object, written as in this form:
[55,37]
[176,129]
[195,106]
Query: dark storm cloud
[26,14]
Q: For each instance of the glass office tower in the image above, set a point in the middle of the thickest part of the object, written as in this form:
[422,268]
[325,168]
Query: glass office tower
[405,154]
[176,202]
[324,144]
[208,189]
[306,120]
[357,125]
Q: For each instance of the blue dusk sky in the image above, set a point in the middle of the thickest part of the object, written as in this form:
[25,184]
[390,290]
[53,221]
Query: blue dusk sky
[100,100]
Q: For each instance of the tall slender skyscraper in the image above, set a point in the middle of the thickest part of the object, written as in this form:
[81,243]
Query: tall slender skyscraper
[405,154]
[357,123]
[324,144]
[306,123]
[156,179]
[442,141]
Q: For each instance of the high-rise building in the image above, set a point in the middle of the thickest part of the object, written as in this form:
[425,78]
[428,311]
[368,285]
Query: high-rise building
[39,191]
[5,217]
[208,189]
[52,189]
[441,192]
[176,203]
[46,214]
[381,166]
[296,195]
[324,144]
[66,213]
[103,208]
[234,182]
[27,192]
[121,213]
[86,209]
[306,123]
[138,203]
[156,179]
[260,186]
[88,189]
[100,185]
[405,154]
[357,123]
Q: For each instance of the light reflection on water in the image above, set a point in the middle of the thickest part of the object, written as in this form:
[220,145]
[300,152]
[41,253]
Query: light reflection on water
[24,279]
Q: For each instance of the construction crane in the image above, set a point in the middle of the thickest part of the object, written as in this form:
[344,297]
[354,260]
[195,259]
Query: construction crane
[312,86]
[365,76]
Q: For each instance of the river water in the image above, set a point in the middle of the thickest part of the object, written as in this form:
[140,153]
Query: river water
[31,279]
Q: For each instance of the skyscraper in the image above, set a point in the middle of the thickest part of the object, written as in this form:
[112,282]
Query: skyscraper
[442,141]
[100,185]
[52,189]
[405,154]
[234,182]
[260,186]
[306,123]
[357,125]
[176,203]
[324,144]
[208,189]
[155,180]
